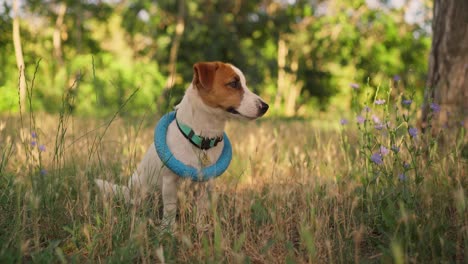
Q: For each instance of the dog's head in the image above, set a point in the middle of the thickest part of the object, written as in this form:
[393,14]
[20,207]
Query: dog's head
[223,86]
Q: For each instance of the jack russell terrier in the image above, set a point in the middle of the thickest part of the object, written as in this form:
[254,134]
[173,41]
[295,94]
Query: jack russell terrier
[218,92]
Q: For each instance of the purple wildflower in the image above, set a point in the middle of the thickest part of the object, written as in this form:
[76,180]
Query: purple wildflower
[360,119]
[33,143]
[402,177]
[343,121]
[42,148]
[413,132]
[395,149]
[366,109]
[376,119]
[43,172]
[379,126]
[435,107]
[384,151]
[354,85]
[379,101]
[407,102]
[406,165]
[396,78]
[33,134]
[376,158]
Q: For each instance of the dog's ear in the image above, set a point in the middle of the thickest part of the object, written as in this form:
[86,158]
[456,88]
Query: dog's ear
[203,75]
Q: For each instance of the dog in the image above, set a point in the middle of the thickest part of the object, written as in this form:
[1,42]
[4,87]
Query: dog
[218,92]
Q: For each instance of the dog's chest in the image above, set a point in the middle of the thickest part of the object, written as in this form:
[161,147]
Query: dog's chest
[188,154]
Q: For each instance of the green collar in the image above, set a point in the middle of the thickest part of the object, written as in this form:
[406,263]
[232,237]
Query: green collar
[198,141]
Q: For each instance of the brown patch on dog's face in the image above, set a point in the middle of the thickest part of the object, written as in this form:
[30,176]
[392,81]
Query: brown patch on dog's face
[218,84]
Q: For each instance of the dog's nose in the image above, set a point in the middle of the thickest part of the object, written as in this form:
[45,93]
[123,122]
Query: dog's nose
[263,108]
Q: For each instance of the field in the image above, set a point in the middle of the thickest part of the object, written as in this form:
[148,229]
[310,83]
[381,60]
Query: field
[297,191]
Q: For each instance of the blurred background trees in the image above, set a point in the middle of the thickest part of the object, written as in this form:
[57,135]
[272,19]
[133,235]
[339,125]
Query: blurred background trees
[302,56]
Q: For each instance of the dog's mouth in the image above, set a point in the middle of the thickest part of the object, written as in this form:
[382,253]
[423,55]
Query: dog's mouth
[233,111]
[261,110]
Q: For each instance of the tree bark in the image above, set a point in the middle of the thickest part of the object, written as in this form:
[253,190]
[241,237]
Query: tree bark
[447,83]
[19,52]
[179,31]
[57,36]
[294,88]
[289,87]
[281,82]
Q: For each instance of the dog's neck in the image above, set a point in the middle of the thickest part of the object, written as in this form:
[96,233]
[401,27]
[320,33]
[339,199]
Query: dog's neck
[205,121]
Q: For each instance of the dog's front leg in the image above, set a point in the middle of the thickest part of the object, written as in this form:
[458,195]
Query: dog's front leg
[169,195]
[202,198]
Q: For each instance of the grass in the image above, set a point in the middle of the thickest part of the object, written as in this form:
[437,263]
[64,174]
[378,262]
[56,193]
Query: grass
[297,191]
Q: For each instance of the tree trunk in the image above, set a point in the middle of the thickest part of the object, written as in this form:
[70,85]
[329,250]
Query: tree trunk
[294,88]
[289,88]
[447,84]
[57,36]
[281,82]
[179,30]
[19,52]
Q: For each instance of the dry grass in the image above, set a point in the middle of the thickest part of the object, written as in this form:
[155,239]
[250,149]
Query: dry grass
[296,192]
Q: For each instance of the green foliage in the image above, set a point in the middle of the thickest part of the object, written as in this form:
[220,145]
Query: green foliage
[97,86]
[333,43]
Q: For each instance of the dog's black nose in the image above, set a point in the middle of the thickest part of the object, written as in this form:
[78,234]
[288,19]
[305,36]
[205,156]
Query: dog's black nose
[263,108]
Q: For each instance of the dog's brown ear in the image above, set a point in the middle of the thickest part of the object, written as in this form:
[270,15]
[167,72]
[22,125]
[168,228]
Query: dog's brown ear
[203,75]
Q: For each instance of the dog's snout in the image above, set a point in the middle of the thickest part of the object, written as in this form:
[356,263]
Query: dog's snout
[263,108]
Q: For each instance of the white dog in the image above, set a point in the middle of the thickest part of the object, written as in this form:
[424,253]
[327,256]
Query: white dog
[218,92]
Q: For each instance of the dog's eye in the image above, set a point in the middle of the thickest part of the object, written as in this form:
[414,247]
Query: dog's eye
[234,84]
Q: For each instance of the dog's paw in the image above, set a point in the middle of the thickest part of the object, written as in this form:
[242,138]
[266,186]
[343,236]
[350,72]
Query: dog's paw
[108,189]
[99,183]
[168,224]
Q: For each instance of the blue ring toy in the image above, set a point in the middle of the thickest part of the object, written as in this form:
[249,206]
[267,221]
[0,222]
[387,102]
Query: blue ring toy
[179,168]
